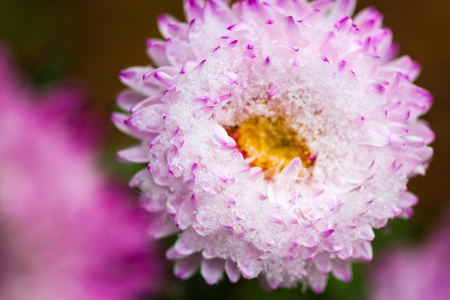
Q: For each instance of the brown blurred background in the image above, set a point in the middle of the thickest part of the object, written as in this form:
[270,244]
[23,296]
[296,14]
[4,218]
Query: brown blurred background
[93,40]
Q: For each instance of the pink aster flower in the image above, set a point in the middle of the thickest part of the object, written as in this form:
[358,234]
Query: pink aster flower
[277,134]
[414,274]
[65,232]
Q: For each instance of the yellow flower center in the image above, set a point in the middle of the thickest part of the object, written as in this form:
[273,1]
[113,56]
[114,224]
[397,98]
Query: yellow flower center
[270,144]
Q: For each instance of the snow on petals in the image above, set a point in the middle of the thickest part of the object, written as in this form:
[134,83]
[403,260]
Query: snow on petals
[287,133]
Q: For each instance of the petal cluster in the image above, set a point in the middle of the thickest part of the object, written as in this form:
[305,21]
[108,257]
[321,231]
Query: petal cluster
[66,231]
[235,79]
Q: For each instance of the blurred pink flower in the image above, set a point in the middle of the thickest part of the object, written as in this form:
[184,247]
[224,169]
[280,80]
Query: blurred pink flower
[277,134]
[407,273]
[65,231]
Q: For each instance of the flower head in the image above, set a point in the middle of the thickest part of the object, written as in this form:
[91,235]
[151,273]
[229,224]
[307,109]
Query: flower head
[65,231]
[277,134]
[414,273]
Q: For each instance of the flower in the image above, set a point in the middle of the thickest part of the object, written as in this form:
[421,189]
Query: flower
[414,273]
[277,134]
[66,231]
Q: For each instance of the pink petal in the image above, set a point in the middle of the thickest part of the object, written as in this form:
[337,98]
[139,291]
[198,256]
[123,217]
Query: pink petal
[156,50]
[186,267]
[407,199]
[186,216]
[136,154]
[376,135]
[342,270]
[127,99]
[323,262]
[232,270]
[342,8]
[318,281]
[161,225]
[212,269]
[193,9]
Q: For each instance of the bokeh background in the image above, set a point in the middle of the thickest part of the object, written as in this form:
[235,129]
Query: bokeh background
[90,41]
